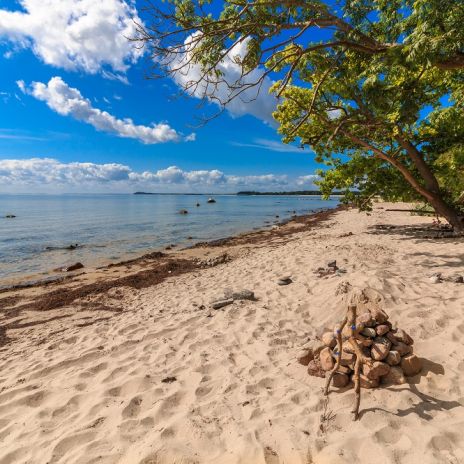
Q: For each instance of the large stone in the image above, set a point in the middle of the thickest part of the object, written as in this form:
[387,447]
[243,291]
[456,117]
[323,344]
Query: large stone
[403,349]
[382,329]
[326,360]
[347,359]
[380,348]
[340,380]
[344,369]
[394,377]
[403,337]
[393,358]
[365,382]
[369,332]
[346,332]
[315,369]
[376,370]
[305,356]
[379,315]
[240,294]
[411,365]
[329,339]
[365,319]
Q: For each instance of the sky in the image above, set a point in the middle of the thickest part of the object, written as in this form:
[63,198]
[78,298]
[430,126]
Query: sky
[78,113]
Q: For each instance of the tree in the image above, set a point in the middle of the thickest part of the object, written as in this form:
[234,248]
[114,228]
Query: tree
[374,87]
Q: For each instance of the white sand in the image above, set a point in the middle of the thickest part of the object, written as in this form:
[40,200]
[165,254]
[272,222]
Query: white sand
[93,393]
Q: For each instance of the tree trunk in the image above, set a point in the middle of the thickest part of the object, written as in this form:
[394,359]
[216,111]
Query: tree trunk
[448,212]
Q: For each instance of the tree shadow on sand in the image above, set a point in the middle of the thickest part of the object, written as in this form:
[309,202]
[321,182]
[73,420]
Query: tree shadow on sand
[426,404]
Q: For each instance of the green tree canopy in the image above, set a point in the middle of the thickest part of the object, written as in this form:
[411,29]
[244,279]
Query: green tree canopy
[378,96]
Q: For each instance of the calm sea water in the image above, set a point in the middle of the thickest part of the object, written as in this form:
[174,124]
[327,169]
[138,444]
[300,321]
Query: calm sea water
[112,227]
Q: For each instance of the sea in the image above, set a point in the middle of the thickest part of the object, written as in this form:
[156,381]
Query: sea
[53,231]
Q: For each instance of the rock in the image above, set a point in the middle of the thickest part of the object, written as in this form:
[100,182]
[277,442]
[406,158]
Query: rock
[369,332]
[332,264]
[380,348]
[343,288]
[340,380]
[365,319]
[73,267]
[344,369]
[394,377]
[393,358]
[346,359]
[376,370]
[317,346]
[346,332]
[411,365]
[211,200]
[10,216]
[284,280]
[240,295]
[221,303]
[305,356]
[382,329]
[183,211]
[403,337]
[315,369]
[403,349]
[198,204]
[366,382]
[457,279]
[436,278]
[326,360]
[379,315]
[329,339]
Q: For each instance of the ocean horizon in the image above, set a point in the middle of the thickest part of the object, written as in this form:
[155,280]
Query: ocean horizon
[50,231]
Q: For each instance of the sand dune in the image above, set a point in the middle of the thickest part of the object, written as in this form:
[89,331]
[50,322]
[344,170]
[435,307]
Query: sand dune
[169,380]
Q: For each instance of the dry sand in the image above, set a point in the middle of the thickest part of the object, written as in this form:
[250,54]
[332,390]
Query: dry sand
[84,383]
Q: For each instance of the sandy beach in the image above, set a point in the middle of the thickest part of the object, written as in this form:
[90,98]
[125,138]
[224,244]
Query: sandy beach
[130,363]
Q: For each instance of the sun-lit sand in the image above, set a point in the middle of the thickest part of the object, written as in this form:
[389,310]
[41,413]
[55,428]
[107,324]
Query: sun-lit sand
[169,380]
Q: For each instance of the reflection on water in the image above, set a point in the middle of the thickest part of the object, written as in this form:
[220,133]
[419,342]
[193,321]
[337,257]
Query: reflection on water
[52,231]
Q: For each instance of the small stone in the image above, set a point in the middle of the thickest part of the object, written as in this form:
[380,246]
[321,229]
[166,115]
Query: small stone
[380,348]
[340,380]
[346,358]
[365,382]
[457,279]
[221,303]
[382,329]
[332,264]
[411,365]
[315,369]
[376,370]
[435,278]
[240,295]
[403,349]
[365,319]
[284,281]
[326,360]
[394,377]
[305,356]
[73,267]
[369,332]
[183,211]
[329,340]
[344,369]
[393,358]
[403,337]
[379,315]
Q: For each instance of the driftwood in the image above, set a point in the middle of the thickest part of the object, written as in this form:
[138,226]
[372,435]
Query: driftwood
[356,340]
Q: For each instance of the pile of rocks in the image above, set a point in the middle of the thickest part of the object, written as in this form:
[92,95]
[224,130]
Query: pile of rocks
[389,348]
[330,269]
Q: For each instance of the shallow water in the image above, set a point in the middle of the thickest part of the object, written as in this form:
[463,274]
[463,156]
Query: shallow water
[112,227]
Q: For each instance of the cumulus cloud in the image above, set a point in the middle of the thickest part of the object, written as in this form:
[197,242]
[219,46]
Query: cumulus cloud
[270,145]
[68,101]
[256,101]
[48,175]
[85,35]
[308,182]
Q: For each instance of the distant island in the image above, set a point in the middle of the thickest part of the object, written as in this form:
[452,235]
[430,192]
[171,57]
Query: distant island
[297,192]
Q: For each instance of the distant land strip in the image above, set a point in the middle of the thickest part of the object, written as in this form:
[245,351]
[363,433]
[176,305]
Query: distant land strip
[245,192]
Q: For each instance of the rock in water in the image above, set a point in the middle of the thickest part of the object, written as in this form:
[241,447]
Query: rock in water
[393,358]
[183,211]
[380,348]
[394,377]
[411,365]
[325,357]
[221,303]
[73,267]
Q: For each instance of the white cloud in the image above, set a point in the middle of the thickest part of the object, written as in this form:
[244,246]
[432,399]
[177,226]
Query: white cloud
[308,182]
[270,145]
[257,102]
[85,35]
[50,175]
[68,101]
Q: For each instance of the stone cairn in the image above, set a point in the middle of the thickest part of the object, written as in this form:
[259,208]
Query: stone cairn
[363,349]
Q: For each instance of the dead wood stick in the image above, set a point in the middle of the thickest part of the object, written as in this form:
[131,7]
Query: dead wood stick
[338,334]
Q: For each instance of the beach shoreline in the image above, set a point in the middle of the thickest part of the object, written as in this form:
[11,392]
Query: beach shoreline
[131,363]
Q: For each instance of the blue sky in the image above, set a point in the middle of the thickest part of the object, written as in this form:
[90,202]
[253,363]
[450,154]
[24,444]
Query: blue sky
[68,83]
